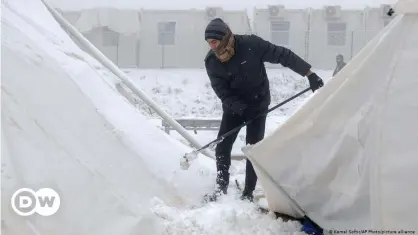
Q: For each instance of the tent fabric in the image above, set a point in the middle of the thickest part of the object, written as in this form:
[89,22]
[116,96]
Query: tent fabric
[349,156]
[406,6]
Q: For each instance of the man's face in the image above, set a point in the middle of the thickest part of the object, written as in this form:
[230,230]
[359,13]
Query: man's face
[213,43]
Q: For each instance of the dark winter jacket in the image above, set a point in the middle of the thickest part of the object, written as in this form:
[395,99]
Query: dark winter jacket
[243,78]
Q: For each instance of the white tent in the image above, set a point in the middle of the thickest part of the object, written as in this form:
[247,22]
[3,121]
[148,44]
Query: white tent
[349,156]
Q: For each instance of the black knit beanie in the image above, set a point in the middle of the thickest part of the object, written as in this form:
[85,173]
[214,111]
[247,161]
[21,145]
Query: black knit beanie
[216,29]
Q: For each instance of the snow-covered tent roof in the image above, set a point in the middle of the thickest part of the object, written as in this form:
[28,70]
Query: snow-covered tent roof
[349,156]
[114,19]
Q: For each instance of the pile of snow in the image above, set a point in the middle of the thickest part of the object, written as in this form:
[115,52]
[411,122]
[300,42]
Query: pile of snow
[229,216]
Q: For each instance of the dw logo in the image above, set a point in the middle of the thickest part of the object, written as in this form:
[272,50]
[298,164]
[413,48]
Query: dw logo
[26,202]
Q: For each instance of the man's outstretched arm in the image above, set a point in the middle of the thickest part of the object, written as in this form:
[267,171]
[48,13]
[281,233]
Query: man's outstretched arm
[275,54]
[281,55]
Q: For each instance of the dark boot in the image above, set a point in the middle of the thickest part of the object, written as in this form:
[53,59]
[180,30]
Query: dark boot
[247,195]
[250,182]
[222,182]
[212,197]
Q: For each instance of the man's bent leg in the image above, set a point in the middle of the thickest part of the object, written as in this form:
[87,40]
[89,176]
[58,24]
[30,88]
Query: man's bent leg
[223,152]
[255,133]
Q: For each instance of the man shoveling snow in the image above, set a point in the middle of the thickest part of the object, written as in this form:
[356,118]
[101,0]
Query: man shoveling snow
[235,66]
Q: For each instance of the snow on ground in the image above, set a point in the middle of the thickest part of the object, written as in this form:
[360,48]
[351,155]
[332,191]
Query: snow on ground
[65,126]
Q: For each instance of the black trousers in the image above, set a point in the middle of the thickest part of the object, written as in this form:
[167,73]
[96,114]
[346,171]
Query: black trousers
[255,133]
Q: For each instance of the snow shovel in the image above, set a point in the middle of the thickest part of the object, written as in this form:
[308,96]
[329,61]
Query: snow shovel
[188,157]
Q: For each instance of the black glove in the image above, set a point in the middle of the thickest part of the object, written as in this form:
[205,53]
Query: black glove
[315,82]
[238,107]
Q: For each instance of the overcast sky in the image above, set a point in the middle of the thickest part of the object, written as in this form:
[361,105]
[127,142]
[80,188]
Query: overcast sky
[228,4]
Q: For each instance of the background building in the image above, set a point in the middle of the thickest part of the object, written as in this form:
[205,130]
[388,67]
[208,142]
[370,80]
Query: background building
[156,38]
[175,38]
[284,27]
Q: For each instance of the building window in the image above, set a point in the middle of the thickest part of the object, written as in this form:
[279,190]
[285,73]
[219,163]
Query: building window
[337,33]
[166,33]
[110,37]
[279,32]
